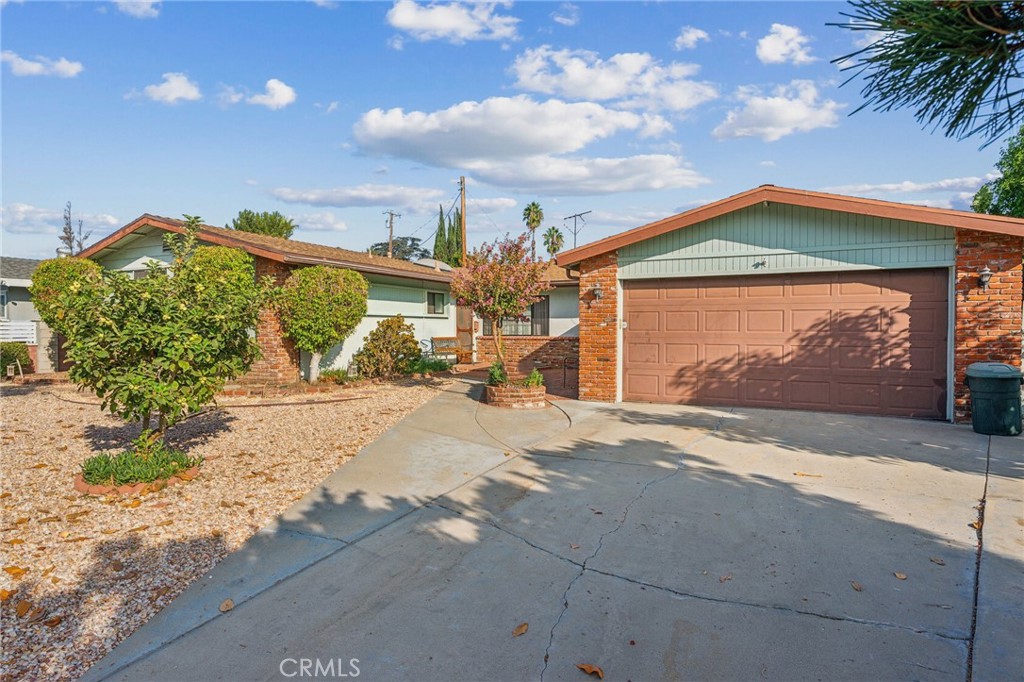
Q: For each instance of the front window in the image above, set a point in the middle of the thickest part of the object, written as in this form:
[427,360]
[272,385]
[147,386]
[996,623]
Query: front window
[435,303]
[3,301]
[534,323]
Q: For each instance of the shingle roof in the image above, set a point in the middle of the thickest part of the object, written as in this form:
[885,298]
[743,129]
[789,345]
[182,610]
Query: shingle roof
[283,250]
[18,268]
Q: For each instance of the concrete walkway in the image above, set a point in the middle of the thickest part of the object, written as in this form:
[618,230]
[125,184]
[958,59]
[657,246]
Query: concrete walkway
[658,542]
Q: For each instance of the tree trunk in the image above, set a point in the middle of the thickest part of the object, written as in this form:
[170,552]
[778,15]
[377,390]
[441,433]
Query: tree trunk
[314,367]
[499,344]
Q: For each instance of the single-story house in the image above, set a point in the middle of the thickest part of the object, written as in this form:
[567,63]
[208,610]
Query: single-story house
[419,293]
[19,320]
[786,298]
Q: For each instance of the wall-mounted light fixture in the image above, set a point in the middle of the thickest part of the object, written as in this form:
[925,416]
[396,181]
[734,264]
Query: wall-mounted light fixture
[597,291]
[984,277]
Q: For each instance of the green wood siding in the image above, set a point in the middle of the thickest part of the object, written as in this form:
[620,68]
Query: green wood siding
[787,239]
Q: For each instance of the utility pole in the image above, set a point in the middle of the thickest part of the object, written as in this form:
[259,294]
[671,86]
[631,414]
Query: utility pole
[462,227]
[391,227]
[575,230]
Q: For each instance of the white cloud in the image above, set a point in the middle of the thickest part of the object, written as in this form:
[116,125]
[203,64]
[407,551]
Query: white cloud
[866,38]
[636,79]
[4,3]
[496,128]
[277,95]
[175,87]
[784,44]
[390,196]
[789,109]
[229,95]
[455,22]
[28,219]
[567,14]
[331,108]
[489,205]
[768,164]
[322,221]
[689,37]
[140,9]
[549,175]
[396,43]
[326,4]
[969,184]
[41,66]
[632,219]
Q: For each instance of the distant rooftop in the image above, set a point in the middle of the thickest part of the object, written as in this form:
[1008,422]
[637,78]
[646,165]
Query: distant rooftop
[17,268]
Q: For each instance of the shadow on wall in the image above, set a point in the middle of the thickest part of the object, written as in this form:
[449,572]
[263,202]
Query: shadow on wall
[428,574]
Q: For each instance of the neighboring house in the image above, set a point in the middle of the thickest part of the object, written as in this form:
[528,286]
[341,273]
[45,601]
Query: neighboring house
[19,320]
[418,293]
[786,298]
[548,334]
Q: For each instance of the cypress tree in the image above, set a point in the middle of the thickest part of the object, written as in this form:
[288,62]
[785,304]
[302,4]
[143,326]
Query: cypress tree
[440,237]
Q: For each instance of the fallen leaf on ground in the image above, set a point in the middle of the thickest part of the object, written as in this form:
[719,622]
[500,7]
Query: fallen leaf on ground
[23,519]
[47,571]
[49,519]
[109,531]
[75,516]
[137,528]
[133,504]
[23,607]
[937,560]
[36,615]
[976,525]
[521,629]
[15,571]
[15,541]
[632,642]
[52,621]
[856,585]
[166,523]
[116,565]
[6,594]
[724,578]
[572,546]
[4,496]
[79,538]
[591,670]
[40,465]
[801,473]
[226,605]
[900,576]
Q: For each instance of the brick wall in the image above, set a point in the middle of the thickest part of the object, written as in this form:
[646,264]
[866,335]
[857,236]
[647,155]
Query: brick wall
[517,397]
[598,328]
[280,361]
[526,352]
[988,323]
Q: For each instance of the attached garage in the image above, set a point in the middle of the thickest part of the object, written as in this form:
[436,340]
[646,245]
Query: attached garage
[784,298]
[859,342]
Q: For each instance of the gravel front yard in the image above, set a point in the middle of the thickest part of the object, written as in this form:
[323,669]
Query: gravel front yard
[86,572]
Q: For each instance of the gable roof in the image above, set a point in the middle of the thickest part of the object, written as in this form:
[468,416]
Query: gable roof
[288,251]
[18,268]
[798,197]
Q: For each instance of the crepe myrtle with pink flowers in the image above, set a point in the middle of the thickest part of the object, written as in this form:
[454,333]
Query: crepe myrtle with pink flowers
[498,282]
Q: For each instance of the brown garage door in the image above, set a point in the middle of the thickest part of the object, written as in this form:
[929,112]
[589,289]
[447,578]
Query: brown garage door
[863,342]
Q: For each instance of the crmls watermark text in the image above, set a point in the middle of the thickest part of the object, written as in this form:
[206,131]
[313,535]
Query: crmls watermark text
[314,667]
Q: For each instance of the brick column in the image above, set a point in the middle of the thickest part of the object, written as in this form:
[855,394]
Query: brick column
[598,328]
[988,323]
[280,361]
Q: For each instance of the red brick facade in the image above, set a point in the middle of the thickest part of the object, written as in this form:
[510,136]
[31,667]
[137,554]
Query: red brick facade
[280,361]
[526,352]
[517,397]
[599,328]
[988,322]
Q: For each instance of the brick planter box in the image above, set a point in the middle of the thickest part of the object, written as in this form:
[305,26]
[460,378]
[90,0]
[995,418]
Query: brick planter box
[517,397]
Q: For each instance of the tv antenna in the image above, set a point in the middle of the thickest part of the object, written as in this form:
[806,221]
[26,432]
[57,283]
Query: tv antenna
[575,227]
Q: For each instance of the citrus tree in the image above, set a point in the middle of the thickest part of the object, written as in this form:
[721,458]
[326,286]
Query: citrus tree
[500,282]
[157,348]
[320,307]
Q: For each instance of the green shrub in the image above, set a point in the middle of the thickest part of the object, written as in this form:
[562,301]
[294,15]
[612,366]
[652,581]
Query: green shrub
[11,351]
[496,375]
[335,376]
[534,378]
[58,278]
[144,462]
[430,365]
[390,349]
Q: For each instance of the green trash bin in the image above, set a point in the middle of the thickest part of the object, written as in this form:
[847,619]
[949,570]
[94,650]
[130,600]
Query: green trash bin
[995,398]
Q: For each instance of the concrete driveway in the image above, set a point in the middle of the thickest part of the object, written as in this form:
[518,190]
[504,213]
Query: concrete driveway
[657,542]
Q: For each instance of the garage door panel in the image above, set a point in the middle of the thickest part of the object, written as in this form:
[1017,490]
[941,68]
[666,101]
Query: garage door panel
[864,342]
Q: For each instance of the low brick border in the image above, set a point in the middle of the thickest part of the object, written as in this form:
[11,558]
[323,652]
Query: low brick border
[130,489]
[517,397]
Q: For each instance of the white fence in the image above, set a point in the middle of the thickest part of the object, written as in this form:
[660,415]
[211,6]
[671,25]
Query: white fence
[25,332]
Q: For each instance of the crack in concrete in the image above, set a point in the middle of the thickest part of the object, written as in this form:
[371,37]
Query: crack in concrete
[506,531]
[618,527]
[979,527]
[776,607]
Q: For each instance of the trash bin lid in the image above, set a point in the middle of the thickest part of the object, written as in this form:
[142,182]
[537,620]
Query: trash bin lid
[993,370]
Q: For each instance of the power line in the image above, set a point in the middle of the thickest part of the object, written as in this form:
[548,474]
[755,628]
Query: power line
[574,229]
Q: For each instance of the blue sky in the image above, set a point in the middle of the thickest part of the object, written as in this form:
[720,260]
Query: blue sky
[335,112]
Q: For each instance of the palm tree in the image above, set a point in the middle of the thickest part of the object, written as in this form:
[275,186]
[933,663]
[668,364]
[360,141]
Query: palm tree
[533,216]
[554,240]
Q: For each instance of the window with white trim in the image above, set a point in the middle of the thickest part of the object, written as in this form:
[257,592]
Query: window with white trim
[536,322]
[435,303]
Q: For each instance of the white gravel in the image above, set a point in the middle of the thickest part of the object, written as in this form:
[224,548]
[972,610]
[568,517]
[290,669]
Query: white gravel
[103,566]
